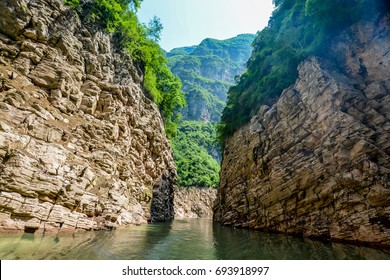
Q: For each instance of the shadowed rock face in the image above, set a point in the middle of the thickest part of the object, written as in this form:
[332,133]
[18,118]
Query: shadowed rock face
[81,147]
[317,163]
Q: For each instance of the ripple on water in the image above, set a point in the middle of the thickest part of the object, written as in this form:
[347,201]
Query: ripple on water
[187,239]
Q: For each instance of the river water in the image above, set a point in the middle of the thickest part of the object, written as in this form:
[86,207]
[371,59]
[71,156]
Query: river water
[188,239]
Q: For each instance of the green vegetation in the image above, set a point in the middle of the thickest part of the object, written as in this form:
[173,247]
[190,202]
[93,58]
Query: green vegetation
[207,71]
[141,42]
[296,30]
[194,143]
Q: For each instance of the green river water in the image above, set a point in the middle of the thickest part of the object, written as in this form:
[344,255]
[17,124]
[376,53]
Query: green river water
[188,239]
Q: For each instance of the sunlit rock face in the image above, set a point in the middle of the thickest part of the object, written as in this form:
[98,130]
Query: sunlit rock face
[81,147]
[317,163]
[194,202]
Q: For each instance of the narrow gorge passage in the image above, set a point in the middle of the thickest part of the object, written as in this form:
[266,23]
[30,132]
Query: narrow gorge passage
[274,145]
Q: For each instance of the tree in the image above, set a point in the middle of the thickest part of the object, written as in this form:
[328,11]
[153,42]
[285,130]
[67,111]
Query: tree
[155,28]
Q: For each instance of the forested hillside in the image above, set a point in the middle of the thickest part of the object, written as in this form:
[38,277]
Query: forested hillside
[296,30]
[197,154]
[206,71]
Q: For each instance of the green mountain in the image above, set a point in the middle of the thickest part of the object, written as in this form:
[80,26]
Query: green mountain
[207,71]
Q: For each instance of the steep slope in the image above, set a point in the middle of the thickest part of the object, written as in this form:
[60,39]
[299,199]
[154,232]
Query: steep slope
[207,71]
[81,147]
[317,162]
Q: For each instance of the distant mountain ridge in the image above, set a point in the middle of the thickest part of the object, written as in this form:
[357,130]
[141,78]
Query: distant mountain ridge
[207,71]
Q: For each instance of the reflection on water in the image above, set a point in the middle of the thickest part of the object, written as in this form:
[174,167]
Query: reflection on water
[182,239]
[242,244]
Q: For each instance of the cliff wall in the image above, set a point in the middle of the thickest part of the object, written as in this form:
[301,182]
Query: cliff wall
[317,163]
[81,147]
[192,202]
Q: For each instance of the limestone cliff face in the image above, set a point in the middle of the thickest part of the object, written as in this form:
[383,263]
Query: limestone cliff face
[81,147]
[194,202]
[317,163]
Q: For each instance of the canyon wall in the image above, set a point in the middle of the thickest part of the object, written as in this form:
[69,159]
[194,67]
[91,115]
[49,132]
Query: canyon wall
[193,202]
[81,146]
[317,163]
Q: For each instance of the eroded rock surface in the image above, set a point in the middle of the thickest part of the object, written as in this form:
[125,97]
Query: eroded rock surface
[194,202]
[81,147]
[317,163]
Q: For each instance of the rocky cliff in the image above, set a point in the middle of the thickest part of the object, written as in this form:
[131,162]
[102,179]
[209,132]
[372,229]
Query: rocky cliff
[317,163]
[81,147]
[194,202]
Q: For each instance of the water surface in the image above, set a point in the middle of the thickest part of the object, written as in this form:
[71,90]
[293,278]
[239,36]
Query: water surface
[189,239]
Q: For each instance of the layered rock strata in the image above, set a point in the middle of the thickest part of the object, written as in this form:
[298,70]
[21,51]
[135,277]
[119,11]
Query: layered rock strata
[317,163]
[194,202]
[81,147]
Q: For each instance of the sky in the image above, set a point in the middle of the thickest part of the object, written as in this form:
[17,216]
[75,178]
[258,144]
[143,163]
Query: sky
[188,22]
